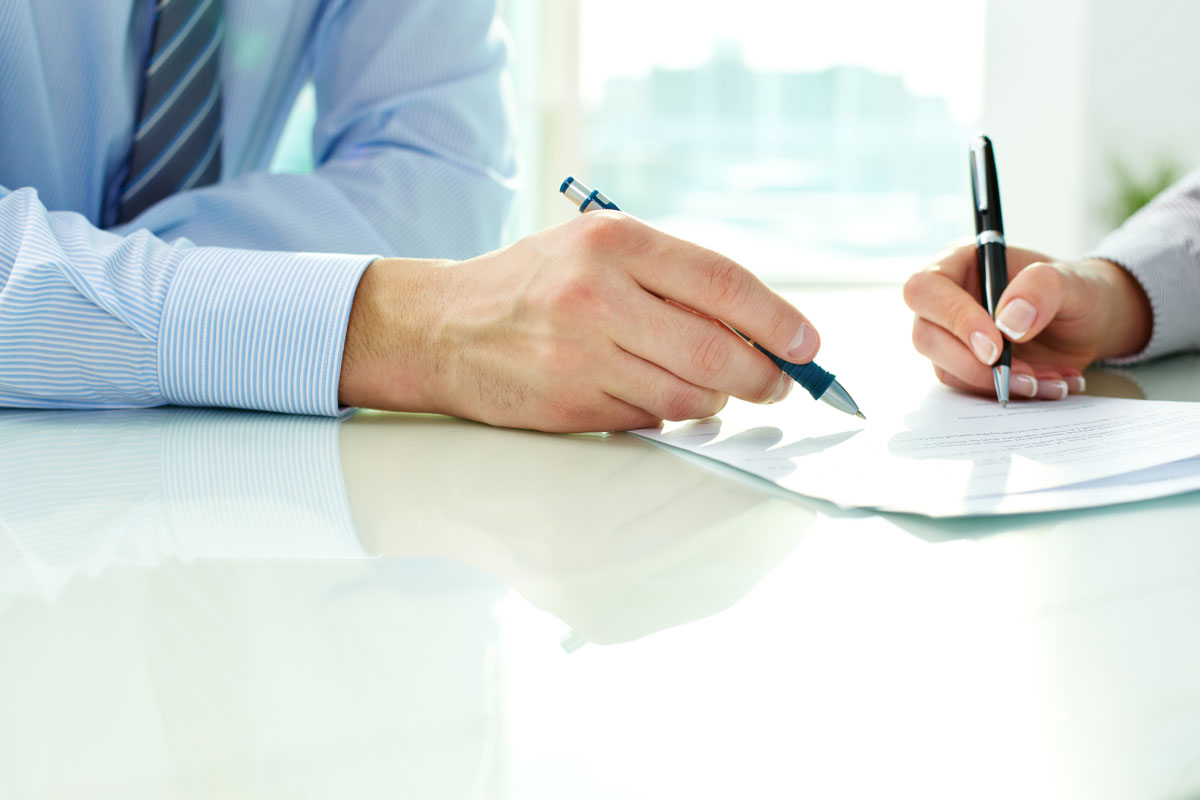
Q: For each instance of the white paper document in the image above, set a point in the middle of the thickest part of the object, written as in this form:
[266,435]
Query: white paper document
[958,455]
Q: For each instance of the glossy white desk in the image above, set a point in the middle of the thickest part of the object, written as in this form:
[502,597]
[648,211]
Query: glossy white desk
[206,604]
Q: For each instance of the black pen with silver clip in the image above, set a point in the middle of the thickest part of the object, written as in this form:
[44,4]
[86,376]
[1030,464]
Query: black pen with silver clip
[991,256]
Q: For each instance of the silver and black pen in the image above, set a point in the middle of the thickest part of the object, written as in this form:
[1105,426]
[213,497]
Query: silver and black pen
[989,247]
[820,384]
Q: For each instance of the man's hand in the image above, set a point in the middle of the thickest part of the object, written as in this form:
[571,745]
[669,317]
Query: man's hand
[567,330]
[1061,315]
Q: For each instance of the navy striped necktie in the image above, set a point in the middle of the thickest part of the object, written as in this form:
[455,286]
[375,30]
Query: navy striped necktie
[177,141]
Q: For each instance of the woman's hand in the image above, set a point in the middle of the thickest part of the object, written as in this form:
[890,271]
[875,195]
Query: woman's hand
[1060,315]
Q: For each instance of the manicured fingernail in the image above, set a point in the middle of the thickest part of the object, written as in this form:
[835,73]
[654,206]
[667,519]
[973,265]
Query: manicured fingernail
[1017,318]
[1024,385]
[801,348]
[1052,390]
[785,387]
[985,349]
[1076,384]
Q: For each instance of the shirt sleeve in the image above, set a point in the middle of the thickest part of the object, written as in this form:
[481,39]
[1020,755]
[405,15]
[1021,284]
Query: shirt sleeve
[412,145]
[1160,247]
[91,319]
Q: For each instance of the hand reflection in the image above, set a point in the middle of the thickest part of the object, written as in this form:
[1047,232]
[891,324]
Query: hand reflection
[616,537]
[1173,378]
[1112,383]
[757,449]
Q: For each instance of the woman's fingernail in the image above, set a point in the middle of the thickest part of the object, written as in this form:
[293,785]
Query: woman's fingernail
[803,343]
[1052,390]
[1024,385]
[985,349]
[1017,318]
[785,387]
[1076,384]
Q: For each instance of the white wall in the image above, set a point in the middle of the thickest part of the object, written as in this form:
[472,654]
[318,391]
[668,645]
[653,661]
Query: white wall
[1071,84]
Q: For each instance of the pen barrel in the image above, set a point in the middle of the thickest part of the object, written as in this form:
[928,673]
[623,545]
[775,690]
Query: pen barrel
[993,274]
[1005,359]
[993,280]
[814,379]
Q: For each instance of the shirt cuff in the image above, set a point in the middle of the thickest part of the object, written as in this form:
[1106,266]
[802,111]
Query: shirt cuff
[257,329]
[1169,272]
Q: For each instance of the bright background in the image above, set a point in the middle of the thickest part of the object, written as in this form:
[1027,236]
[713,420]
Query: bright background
[826,142]
[805,139]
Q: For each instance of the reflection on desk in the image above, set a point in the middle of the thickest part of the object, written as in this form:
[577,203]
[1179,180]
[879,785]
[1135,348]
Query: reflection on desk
[1174,378]
[217,530]
[80,491]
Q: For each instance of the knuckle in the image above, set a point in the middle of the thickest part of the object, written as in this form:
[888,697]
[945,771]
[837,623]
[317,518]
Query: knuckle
[711,354]
[682,403]
[574,290]
[604,230]
[1044,277]
[728,283]
[960,320]
[781,325]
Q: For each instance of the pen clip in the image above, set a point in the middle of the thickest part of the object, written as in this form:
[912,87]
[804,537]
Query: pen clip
[980,171]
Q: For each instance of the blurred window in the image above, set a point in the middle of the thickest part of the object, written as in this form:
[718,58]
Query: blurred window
[809,140]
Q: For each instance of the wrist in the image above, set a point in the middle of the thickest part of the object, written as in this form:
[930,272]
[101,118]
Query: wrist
[391,359]
[1131,318]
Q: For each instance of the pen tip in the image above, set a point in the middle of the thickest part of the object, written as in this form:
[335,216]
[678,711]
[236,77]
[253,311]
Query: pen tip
[1004,404]
[860,415]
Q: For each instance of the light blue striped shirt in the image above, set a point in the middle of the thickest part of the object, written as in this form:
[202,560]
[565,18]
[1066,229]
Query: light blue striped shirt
[237,294]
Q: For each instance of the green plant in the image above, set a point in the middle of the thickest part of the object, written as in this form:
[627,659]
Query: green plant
[1132,191]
